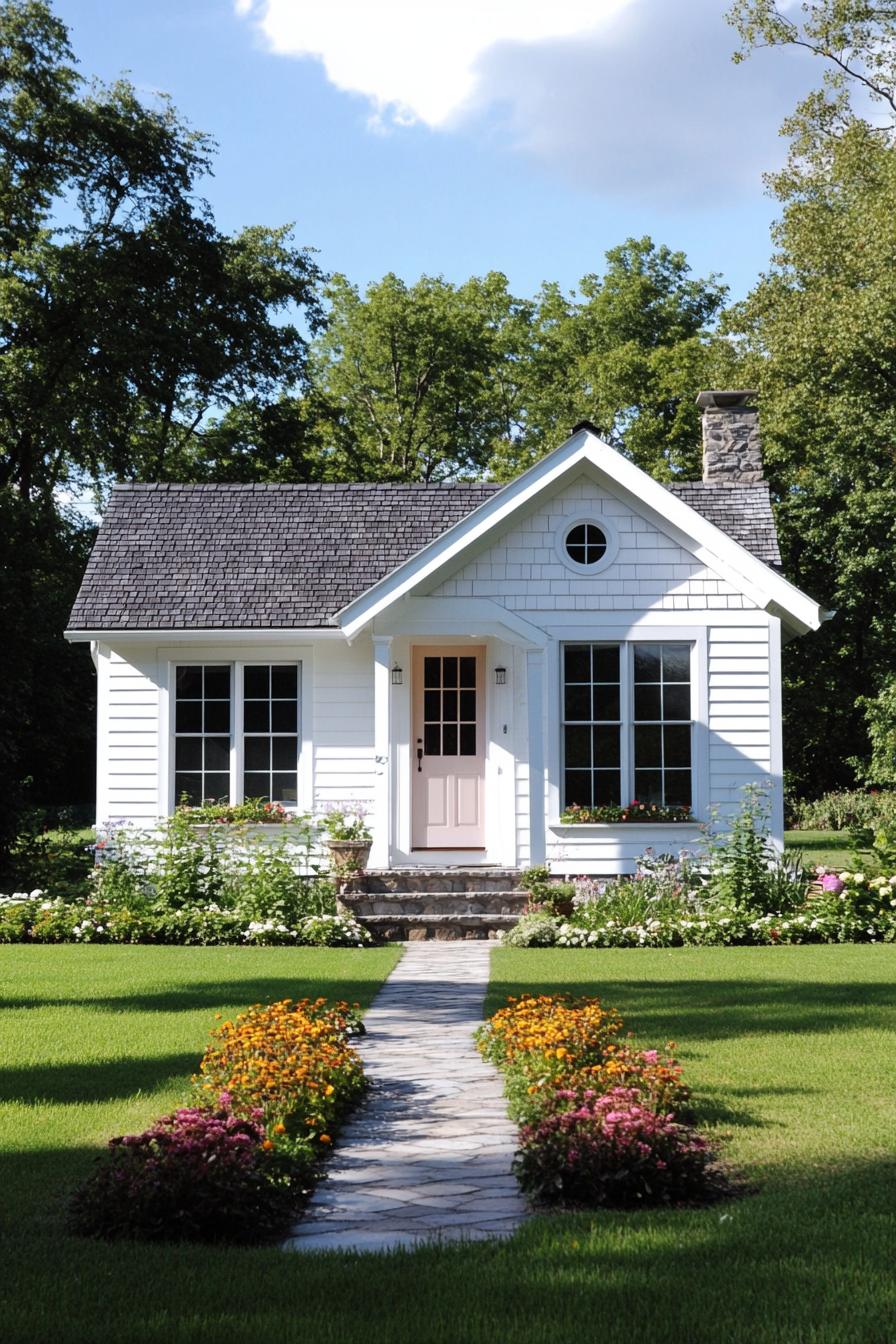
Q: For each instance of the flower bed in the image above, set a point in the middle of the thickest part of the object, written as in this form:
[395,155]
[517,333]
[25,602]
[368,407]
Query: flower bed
[600,1121]
[633,813]
[32,917]
[272,1088]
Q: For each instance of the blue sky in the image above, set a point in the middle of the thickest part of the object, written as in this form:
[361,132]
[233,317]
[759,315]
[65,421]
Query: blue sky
[458,137]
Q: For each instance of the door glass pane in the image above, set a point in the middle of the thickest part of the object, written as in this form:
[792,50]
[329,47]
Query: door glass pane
[449,671]
[468,672]
[468,739]
[431,706]
[432,671]
[449,739]
[432,739]
[468,706]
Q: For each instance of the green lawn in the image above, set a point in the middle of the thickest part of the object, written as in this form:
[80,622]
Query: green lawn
[792,1051]
[829,847]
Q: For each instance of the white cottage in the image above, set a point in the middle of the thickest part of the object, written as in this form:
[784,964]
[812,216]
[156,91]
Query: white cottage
[467,661]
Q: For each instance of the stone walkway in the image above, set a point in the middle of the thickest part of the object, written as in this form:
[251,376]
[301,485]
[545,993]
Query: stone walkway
[427,1156]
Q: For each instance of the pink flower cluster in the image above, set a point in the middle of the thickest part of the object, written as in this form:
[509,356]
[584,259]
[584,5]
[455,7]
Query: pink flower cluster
[611,1149]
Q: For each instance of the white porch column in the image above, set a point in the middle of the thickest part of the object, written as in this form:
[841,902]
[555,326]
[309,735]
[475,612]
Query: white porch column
[535,709]
[380,852]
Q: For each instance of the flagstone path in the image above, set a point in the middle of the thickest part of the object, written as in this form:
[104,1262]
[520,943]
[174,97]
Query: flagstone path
[428,1155]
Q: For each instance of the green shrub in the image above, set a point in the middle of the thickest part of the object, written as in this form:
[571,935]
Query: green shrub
[536,930]
[842,810]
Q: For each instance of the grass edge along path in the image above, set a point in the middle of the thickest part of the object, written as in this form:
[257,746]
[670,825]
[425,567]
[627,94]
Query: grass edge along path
[791,1051]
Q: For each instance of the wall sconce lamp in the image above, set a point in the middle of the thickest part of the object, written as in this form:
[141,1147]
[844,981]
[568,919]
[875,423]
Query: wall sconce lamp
[500,676]
[397,675]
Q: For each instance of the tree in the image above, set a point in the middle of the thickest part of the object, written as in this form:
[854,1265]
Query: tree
[126,319]
[627,351]
[419,379]
[816,336]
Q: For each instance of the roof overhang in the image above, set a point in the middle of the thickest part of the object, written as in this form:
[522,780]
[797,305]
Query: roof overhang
[218,635]
[764,586]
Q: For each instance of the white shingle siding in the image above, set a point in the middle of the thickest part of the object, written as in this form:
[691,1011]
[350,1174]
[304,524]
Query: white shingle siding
[523,571]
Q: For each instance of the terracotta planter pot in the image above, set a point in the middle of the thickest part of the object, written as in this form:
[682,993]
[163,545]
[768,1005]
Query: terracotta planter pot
[348,857]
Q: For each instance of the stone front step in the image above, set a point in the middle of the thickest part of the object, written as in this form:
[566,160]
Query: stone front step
[417,880]
[395,903]
[411,928]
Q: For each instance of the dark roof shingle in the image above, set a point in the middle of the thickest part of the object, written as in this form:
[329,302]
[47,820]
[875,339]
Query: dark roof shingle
[202,557]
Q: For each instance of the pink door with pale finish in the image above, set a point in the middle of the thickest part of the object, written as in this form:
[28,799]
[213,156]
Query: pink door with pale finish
[448,756]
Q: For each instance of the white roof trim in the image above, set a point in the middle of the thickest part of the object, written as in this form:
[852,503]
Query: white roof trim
[751,576]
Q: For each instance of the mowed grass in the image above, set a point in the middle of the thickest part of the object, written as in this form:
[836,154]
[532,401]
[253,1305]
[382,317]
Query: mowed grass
[790,1050]
[828,847]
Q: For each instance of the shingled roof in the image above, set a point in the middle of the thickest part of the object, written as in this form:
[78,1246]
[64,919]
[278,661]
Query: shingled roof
[172,557]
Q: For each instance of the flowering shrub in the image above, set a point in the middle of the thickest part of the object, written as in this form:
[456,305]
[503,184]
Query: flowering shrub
[346,821]
[196,1175]
[635,811]
[176,883]
[557,1041]
[273,1086]
[600,1119]
[535,930]
[612,1149]
[292,1061]
[253,810]
[315,931]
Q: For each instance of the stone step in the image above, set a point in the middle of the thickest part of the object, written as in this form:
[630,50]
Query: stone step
[435,902]
[440,879]
[411,928]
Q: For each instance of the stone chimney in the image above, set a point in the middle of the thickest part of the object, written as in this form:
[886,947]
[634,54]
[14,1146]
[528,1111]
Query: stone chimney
[732,449]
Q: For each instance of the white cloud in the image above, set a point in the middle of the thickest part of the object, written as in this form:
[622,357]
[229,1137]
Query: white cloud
[636,99]
[415,59]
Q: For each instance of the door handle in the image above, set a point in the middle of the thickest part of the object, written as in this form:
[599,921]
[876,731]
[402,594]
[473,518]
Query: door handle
[419,756]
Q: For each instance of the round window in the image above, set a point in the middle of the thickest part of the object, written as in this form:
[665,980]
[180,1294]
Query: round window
[586,544]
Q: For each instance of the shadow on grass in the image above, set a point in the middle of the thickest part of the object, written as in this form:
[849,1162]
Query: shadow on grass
[711,1010]
[807,1258]
[213,994]
[99,1080]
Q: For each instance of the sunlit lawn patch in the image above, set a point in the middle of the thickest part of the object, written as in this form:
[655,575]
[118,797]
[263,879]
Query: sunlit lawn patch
[790,1051]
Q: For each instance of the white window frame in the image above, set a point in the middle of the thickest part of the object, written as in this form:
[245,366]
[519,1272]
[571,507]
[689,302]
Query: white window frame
[193,656]
[643,632]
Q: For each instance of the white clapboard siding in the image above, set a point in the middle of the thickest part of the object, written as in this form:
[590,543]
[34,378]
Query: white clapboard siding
[342,730]
[740,728]
[128,738]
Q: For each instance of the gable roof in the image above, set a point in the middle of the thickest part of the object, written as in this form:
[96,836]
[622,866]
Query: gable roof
[204,557]
[583,452]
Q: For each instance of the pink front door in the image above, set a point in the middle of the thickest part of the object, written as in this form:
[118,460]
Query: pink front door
[448,748]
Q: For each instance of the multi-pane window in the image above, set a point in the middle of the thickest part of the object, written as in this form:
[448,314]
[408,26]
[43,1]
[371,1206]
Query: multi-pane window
[202,733]
[270,732]
[592,724]
[449,706]
[662,723]
[626,724]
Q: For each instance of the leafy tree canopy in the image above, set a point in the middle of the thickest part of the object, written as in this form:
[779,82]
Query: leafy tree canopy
[816,336]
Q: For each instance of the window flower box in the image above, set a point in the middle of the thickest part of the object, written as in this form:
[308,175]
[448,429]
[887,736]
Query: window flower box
[635,813]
